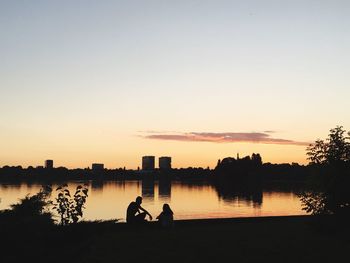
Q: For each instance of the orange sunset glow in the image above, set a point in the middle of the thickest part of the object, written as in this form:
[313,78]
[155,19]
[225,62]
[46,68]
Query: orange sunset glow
[78,88]
[174,131]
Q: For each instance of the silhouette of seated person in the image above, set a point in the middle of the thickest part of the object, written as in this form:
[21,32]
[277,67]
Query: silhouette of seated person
[134,214]
[166,217]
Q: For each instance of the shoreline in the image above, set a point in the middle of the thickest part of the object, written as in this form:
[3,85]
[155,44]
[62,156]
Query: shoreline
[213,221]
[228,220]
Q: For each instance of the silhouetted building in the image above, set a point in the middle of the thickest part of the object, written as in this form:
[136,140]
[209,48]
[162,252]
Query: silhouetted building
[49,164]
[165,163]
[148,162]
[97,166]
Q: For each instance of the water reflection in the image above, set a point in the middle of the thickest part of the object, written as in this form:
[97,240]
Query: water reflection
[248,194]
[97,185]
[164,190]
[148,189]
[109,199]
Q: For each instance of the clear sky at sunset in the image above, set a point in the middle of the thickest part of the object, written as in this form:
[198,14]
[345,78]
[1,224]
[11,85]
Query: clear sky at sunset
[111,81]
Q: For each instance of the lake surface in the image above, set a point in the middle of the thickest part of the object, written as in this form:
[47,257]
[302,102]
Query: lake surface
[109,199]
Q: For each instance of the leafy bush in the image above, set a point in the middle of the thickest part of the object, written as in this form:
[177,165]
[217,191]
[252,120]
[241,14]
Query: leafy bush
[33,209]
[69,208]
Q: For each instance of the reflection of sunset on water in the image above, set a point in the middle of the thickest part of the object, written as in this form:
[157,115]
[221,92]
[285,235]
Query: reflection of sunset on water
[109,200]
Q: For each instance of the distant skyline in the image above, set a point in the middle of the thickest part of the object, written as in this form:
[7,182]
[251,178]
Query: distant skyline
[85,82]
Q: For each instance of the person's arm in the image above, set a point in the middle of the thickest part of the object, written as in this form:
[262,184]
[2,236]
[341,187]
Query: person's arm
[144,210]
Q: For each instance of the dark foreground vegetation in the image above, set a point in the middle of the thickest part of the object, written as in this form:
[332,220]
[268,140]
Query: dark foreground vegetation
[271,239]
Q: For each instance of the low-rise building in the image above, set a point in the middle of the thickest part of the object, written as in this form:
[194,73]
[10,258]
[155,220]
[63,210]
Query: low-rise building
[49,164]
[97,166]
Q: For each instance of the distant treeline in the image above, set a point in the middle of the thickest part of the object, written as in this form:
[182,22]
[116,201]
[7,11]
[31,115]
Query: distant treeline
[248,168]
[251,168]
[40,174]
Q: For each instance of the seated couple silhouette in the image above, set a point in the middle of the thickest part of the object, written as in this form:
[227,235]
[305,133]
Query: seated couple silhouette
[136,214]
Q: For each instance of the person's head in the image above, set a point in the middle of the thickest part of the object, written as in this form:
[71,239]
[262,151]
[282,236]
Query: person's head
[139,200]
[167,209]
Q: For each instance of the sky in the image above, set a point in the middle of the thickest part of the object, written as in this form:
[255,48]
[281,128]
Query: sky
[110,81]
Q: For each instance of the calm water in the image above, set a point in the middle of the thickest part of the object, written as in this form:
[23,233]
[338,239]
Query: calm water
[109,200]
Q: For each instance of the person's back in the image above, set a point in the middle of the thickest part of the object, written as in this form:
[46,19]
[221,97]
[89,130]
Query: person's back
[131,212]
[166,217]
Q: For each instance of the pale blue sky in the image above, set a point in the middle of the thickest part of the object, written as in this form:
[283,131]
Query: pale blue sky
[90,71]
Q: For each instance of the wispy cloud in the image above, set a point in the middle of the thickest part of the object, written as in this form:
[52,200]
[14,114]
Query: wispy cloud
[224,137]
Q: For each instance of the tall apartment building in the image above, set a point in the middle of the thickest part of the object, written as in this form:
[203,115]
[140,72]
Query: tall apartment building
[165,163]
[148,162]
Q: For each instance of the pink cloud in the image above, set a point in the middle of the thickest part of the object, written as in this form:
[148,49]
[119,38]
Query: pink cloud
[226,137]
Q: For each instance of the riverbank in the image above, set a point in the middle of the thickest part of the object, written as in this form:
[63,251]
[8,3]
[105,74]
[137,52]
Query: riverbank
[270,239]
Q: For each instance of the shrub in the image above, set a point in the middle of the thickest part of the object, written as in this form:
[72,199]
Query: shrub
[32,209]
[69,208]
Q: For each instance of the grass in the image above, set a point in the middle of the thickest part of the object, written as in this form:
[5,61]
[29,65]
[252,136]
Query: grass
[269,239]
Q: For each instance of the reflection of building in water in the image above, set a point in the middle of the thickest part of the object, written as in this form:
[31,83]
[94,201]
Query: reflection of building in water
[148,162]
[147,189]
[257,198]
[165,163]
[164,189]
[97,185]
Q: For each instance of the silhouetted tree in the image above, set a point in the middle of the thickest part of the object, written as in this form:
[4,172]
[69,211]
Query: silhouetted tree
[332,158]
[256,159]
[334,151]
